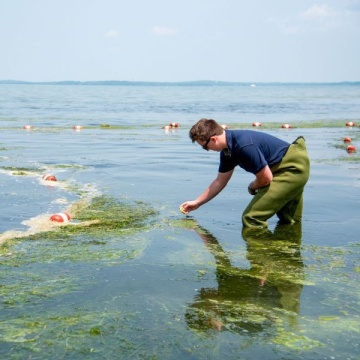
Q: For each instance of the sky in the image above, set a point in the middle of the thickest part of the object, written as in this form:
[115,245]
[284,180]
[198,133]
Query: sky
[180,40]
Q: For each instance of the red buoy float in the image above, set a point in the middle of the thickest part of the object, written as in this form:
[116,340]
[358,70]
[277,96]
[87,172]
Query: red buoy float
[174,124]
[351,149]
[49,177]
[347,140]
[350,123]
[27,127]
[286,126]
[60,217]
[256,124]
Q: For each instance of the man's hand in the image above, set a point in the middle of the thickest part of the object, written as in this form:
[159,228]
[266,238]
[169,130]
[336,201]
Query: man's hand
[263,178]
[188,206]
[251,190]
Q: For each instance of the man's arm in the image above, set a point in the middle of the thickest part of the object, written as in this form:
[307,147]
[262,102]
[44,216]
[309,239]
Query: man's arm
[262,178]
[214,188]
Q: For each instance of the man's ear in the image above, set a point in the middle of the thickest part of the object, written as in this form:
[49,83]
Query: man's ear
[215,139]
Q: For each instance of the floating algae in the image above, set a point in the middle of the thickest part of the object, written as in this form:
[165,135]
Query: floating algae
[77,333]
[186,223]
[296,342]
[110,214]
[101,239]
[116,127]
[264,300]
[295,124]
[95,220]
[240,306]
[68,166]
[57,329]
[29,288]
[251,300]
[72,333]
[21,171]
[38,171]
[48,266]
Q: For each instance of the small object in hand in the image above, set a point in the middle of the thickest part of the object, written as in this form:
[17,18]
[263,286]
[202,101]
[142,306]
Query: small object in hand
[182,210]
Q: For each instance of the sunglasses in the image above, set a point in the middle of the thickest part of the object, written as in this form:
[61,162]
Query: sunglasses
[207,143]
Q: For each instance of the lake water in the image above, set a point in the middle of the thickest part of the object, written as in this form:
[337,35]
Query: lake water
[195,287]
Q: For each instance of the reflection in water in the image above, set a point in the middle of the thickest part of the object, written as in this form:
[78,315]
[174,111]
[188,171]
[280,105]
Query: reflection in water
[262,298]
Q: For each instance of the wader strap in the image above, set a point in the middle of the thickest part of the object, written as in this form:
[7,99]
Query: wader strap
[298,138]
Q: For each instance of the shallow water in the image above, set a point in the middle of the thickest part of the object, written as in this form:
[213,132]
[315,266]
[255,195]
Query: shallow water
[194,287]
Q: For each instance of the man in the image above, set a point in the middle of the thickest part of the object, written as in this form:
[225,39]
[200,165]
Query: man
[281,171]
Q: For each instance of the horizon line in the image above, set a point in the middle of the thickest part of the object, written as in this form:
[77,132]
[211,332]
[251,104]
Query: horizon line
[144,82]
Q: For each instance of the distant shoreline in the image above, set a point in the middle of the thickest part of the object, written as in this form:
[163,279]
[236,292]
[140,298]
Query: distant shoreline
[161,83]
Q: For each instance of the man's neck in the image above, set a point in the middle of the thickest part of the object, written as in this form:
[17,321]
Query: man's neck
[223,140]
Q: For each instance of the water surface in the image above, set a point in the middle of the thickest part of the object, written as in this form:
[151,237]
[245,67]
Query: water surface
[196,287]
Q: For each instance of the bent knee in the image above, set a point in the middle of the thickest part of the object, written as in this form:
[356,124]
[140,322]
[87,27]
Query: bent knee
[251,221]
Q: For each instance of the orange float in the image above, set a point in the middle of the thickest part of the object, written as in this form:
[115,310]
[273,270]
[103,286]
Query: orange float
[60,217]
[256,124]
[350,123]
[347,140]
[174,124]
[49,177]
[286,126]
[351,149]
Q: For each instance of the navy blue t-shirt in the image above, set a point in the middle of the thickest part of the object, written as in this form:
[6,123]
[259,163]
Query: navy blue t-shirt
[251,150]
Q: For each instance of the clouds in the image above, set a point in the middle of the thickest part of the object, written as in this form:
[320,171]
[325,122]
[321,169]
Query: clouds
[155,30]
[112,34]
[164,30]
[317,12]
[315,18]
[320,17]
